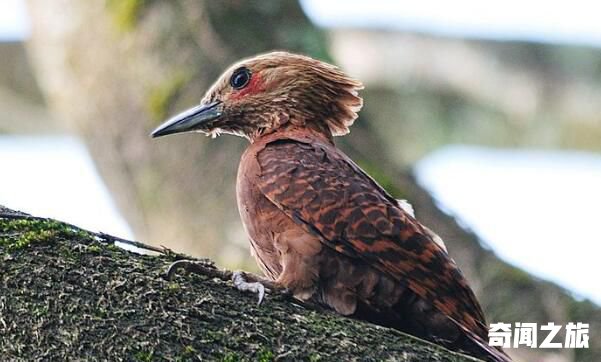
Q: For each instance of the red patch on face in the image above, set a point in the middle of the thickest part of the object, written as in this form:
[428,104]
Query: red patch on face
[255,85]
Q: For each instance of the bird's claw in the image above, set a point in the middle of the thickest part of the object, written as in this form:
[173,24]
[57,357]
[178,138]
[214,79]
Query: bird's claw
[193,266]
[241,284]
[177,265]
[240,279]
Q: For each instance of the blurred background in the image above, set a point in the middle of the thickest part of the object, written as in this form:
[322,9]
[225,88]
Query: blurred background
[486,116]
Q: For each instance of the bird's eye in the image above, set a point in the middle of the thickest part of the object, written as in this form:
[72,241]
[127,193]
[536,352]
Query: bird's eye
[240,78]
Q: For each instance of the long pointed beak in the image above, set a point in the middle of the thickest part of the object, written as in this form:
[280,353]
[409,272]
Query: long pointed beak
[194,119]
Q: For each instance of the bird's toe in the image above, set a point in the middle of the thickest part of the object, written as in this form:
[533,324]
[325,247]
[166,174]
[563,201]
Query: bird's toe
[240,282]
[202,267]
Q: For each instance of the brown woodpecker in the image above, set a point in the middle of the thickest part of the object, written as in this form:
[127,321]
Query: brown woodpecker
[318,225]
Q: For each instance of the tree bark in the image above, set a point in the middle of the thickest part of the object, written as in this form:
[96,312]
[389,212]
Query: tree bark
[68,294]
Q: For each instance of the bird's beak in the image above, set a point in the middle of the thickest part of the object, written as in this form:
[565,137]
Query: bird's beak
[194,119]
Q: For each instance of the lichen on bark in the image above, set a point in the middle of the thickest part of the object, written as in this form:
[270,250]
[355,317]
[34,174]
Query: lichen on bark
[77,296]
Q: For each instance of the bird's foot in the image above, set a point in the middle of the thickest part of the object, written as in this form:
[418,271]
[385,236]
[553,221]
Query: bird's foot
[256,284]
[203,267]
[241,284]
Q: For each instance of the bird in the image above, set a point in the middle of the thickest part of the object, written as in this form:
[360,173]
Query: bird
[319,226]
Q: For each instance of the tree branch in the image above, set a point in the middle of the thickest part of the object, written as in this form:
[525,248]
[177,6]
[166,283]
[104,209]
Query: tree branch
[67,293]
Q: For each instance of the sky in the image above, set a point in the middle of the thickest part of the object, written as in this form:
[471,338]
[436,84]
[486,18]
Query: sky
[558,21]
[55,177]
[537,210]
[14,24]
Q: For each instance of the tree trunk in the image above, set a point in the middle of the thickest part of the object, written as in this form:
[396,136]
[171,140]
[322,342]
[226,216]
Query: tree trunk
[113,70]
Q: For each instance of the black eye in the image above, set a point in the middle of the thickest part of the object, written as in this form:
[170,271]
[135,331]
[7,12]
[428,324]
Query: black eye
[240,78]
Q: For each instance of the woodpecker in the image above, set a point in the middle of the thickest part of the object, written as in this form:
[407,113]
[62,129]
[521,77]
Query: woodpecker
[319,226]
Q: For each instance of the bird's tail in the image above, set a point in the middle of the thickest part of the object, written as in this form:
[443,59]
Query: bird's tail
[481,349]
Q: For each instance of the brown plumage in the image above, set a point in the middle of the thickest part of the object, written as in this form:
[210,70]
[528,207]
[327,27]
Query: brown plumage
[318,224]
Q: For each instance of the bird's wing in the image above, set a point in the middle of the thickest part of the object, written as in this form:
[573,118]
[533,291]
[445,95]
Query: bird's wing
[330,196]
[408,208]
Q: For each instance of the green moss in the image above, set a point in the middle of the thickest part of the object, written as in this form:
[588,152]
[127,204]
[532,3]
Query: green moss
[231,357]
[173,287]
[40,311]
[127,308]
[94,248]
[214,335]
[189,351]
[19,234]
[265,356]
[113,247]
[67,253]
[125,13]
[314,358]
[144,356]
[100,313]
[161,96]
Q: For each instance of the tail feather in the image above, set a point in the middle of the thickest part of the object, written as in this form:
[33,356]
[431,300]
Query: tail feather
[481,348]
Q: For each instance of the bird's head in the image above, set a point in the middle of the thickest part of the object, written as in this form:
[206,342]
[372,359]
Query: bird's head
[262,94]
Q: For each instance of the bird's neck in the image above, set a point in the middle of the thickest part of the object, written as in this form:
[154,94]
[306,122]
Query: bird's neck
[308,131]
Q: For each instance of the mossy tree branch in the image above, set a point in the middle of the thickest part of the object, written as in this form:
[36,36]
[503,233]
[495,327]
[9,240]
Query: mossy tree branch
[67,293]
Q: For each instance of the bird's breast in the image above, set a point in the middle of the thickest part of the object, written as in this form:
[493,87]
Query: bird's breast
[282,248]
[261,219]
